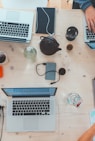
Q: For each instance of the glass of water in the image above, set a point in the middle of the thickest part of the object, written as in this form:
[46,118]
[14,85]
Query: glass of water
[74,99]
[30,53]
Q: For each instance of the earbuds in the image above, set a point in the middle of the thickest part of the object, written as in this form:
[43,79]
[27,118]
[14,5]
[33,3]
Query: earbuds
[61,71]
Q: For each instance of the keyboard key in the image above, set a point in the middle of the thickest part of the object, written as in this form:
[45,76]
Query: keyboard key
[31,107]
[14,29]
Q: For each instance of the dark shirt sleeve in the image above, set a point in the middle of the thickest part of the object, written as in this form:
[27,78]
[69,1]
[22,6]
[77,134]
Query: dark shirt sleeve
[83,3]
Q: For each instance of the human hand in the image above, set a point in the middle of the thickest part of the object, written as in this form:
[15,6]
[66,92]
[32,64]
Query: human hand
[90,17]
[88,134]
[92,129]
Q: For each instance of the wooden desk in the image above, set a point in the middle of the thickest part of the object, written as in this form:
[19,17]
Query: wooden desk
[63,4]
[80,69]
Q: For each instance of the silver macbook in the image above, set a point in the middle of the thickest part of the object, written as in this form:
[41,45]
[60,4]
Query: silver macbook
[89,36]
[16,25]
[30,109]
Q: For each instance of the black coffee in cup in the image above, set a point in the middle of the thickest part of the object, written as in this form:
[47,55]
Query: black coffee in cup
[71,33]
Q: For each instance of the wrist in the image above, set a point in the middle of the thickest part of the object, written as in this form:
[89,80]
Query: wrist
[90,8]
[92,129]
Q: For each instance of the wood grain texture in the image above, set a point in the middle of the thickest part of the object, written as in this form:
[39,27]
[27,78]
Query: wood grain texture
[60,4]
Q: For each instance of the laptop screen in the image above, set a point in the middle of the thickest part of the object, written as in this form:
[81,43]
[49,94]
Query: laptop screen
[24,92]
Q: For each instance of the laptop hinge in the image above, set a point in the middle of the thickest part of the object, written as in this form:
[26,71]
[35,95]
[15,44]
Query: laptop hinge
[12,39]
[30,96]
[93,41]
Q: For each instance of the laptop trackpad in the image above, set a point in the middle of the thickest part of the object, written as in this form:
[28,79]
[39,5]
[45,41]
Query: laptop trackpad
[31,124]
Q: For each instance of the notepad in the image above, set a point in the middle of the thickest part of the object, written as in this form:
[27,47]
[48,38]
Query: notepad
[45,20]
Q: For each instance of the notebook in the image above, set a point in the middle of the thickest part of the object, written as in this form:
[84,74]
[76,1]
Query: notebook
[16,25]
[45,20]
[89,37]
[30,109]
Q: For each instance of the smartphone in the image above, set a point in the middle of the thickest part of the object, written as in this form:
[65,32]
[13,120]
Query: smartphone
[50,71]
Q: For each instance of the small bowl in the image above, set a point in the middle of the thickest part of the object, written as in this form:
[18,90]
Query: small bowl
[3,58]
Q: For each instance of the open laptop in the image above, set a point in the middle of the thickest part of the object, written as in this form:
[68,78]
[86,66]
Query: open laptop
[16,25]
[30,109]
[89,37]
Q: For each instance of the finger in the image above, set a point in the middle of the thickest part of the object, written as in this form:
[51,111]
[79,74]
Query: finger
[89,25]
[92,26]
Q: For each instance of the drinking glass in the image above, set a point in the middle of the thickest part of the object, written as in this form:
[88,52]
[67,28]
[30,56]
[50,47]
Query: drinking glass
[30,53]
[74,99]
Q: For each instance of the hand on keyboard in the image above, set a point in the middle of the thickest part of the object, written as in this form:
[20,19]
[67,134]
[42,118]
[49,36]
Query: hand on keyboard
[90,17]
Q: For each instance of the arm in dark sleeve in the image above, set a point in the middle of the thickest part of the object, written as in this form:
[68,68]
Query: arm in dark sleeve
[83,3]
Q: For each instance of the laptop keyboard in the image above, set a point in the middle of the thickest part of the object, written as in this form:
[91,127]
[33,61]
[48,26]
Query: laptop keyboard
[14,29]
[90,35]
[31,107]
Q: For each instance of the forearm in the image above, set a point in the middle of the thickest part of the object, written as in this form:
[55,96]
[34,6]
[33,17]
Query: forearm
[88,135]
[84,4]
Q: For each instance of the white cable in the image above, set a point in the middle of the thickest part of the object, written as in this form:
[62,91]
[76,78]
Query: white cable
[48,22]
[2,101]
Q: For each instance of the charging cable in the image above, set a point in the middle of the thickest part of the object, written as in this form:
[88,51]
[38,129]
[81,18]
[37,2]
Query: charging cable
[2,105]
[62,71]
[48,22]
[2,120]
